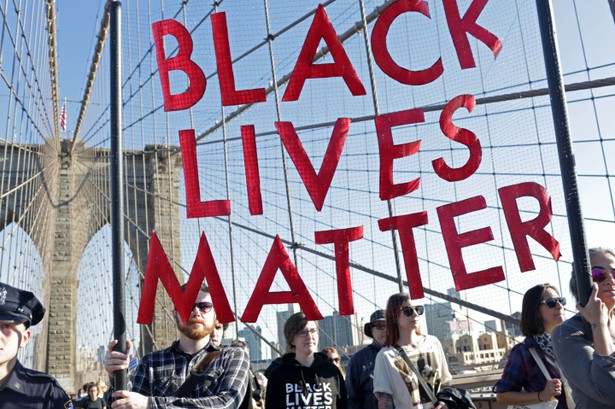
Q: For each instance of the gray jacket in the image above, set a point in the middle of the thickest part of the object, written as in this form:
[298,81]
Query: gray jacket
[590,375]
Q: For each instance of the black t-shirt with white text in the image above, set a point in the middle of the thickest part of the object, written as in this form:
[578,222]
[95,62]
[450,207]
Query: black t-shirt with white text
[293,386]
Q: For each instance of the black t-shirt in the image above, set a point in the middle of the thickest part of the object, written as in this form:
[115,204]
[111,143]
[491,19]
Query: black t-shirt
[99,403]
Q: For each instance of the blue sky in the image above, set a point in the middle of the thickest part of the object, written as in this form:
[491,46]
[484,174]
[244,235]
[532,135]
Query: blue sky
[78,24]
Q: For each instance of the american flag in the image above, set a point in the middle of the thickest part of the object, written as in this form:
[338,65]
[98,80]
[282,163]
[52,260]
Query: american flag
[63,117]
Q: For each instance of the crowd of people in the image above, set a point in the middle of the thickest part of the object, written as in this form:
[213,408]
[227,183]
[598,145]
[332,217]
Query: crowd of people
[91,396]
[561,363]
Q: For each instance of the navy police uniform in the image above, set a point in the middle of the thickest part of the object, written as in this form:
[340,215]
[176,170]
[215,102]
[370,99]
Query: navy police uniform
[26,388]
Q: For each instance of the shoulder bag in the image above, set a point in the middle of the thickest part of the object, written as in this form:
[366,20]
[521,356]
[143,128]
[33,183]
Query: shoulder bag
[186,389]
[549,404]
[455,398]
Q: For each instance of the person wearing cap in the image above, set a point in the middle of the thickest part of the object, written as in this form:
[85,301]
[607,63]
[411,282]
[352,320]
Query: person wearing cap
[21,387]
[359,377]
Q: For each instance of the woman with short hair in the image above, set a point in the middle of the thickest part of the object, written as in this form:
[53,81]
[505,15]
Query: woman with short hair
[523,382]
[305,378]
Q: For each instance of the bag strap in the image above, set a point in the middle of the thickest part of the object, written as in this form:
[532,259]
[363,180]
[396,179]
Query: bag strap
[187,387]
[426,387]
[540,363]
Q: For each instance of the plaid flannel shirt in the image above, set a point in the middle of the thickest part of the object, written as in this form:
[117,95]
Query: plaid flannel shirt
[522,372]
[223,384]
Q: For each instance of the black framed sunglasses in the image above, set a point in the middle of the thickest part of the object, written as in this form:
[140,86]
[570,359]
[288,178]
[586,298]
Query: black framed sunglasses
[552,302]
[408,311]
[335,360]
[204,306]
[600,274]
[380,326]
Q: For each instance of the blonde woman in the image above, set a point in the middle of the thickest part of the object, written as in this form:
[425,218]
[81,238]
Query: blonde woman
[334,357]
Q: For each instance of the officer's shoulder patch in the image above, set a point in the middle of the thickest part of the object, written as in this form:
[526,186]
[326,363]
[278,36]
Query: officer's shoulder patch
[69,405]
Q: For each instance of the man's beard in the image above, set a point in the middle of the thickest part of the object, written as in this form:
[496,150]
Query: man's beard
[197,332]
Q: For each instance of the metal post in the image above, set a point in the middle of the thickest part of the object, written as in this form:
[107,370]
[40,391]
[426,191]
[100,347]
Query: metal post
[117,197]
[564,147]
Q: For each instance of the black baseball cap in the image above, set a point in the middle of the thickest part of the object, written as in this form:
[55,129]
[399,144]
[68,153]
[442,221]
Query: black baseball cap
[378,315]
[19,306]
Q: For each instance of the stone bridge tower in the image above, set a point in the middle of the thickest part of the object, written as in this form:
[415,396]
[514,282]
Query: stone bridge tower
[73,205]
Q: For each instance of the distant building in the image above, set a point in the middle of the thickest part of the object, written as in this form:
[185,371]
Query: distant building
[514,330]
[339,331]
[469,350]
[254,342]
[282,317]
[446,319]
[493,326]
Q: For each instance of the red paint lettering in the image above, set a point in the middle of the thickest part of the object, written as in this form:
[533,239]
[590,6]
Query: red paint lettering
[462,136]
[389,152]
[230,96]
[321,28]
[534,228]
[404,225]
[180,62]
[455,241]
[194,206]
[340,239]
[381,52]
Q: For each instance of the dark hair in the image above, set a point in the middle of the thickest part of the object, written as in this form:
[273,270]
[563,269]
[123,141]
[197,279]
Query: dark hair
[293,325]
[224,326]
[238,343]
[531,322]
[392,313]
[573,280]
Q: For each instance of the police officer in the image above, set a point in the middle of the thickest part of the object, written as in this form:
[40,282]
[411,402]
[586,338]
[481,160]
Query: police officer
[21,387]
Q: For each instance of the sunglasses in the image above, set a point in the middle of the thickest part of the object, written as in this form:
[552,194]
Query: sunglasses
[334,360]
[204,306]
[552,302]
[381,326]
[408,311]
[600,274]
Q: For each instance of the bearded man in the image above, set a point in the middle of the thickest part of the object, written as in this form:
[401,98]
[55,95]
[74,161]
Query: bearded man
[160,375]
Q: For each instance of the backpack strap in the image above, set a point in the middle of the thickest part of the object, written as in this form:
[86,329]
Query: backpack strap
[186,389]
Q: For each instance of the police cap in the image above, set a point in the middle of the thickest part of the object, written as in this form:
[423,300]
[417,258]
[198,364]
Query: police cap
[19,306]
